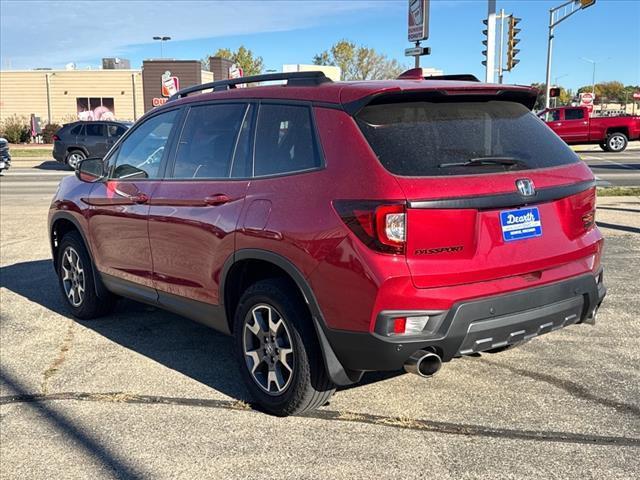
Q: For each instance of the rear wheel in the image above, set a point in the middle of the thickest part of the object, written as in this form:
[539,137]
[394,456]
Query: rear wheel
[74,157]
[75,276]
[278,352]
[616,142]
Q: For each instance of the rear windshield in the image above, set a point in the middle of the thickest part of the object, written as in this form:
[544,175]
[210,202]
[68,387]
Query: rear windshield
[460,138]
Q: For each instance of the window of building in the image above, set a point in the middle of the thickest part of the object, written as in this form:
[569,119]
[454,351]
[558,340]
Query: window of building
[284,140]
[95,108]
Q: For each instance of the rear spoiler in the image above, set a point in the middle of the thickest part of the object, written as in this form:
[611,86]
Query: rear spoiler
[417,74]
[519,94]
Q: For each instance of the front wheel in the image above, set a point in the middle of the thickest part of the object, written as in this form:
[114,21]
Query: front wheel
[616,142]
[278,351]
[75,276]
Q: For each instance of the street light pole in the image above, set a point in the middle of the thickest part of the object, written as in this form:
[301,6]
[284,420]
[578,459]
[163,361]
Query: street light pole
[556,15]
[162,39]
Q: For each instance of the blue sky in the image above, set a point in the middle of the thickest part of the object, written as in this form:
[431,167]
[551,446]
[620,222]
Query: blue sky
[53,33]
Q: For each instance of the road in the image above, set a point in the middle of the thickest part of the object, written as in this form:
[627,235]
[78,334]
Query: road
[144,393]
[616,169]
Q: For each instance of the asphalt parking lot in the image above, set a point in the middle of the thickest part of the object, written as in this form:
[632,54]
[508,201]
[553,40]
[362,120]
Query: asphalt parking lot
[146,394]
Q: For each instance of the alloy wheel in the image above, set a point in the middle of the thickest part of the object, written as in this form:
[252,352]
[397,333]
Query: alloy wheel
[73,279]
[73,159]
[616,143]
[268,349]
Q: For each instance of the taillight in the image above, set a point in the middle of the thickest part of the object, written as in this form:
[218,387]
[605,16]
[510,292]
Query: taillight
[56,138]
[380,225]
[578,212]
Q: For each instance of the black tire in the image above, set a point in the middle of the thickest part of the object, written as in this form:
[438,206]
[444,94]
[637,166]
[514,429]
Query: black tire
[616,142]
[603,146]
[89,305]
[73,157]
[307,385]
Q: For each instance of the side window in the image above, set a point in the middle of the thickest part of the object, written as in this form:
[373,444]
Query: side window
[76,130]
[285,140]
[552,116]
[115,130]
[140,155]
[208,141]
[95,130]
[573,114]
[242,163]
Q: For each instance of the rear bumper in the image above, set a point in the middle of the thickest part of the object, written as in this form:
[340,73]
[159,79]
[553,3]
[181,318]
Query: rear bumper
[477,325]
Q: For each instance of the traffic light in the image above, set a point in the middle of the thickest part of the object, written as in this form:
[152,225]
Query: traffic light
[586,3]
[554,92]
[512,41]
[485,32]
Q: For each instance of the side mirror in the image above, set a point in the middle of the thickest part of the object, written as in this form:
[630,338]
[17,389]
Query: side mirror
[90,170]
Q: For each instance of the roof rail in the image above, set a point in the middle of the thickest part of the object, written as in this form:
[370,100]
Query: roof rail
[416,74]
[293,79]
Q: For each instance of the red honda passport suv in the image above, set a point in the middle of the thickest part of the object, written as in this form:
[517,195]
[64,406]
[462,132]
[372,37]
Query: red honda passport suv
[335,228]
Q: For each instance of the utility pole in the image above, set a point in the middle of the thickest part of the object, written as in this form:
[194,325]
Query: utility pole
[556,15]
[490,42]
[502,17]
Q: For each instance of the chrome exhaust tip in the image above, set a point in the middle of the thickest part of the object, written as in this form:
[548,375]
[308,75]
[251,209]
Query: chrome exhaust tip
[424,364]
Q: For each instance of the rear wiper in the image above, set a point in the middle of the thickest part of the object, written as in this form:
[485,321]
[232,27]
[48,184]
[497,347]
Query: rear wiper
[474,162]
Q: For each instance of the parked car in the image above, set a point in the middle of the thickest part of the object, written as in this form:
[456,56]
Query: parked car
[575,126]
[79,140]
[5,156]
[338,228]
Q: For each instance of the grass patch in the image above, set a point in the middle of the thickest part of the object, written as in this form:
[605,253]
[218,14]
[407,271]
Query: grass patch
[30,152]
[618,191]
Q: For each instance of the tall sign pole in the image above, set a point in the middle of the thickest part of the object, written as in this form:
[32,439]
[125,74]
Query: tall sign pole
[491,41]
[556,15]
[418,29]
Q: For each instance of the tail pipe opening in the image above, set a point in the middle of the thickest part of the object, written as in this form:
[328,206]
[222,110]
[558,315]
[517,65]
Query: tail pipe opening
[423,363]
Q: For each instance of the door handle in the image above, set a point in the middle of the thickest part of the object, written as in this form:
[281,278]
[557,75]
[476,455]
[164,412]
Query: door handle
[217,199]
[140,198]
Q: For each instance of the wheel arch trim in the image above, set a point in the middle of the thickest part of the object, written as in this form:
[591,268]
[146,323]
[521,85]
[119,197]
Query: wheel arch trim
[101,290]
[338,374]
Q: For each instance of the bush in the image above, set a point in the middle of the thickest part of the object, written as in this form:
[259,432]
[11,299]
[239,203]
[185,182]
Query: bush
[16,129]
[48,131]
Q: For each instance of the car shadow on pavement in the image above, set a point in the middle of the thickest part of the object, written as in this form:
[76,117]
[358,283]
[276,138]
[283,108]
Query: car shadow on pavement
[176,342]
[614,226]
[53,165]
[171,340]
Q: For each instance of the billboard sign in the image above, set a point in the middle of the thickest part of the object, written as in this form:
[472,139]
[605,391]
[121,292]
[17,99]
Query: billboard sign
[418,20]
[170,84]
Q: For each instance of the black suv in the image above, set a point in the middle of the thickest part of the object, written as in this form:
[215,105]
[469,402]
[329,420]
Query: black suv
[79,140]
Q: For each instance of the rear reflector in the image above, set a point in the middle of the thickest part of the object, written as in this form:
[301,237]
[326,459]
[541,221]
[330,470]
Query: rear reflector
[399,325]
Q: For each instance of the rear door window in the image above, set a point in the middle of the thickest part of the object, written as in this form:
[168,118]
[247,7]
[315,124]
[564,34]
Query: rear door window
[95,130]
[76,130]
[208,141]
[460,138]
[285,140]
[573,114]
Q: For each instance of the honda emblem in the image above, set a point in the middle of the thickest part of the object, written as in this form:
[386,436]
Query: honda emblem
[525,187]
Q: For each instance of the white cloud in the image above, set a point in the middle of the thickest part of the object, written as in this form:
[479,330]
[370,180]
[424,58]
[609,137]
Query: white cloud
[52,33]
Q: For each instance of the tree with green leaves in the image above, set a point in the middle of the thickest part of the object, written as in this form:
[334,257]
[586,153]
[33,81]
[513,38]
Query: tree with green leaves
[358,62]
[243,58]
[612,92]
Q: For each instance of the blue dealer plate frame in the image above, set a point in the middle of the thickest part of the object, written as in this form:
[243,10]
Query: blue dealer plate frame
[520,224]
